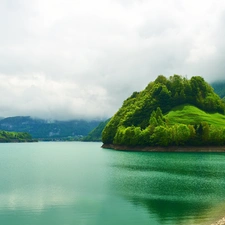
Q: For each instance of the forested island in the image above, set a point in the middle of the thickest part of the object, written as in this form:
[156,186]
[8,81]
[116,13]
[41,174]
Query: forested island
[169,113]
[6,136]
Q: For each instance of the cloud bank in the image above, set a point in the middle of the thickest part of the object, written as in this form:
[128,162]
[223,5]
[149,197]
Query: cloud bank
[81,59]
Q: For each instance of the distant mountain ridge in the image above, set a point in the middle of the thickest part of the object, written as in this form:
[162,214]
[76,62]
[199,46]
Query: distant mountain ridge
[47,129]
[219,88]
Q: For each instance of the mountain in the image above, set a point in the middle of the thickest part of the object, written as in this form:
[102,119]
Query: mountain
[219,88]
[170,111]
[96,133]
[46,129]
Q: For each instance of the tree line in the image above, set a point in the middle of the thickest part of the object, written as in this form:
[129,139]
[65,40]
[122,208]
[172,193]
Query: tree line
[159,133]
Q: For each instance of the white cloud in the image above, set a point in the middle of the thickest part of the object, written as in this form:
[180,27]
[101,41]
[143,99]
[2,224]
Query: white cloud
[39,96]
[72,59]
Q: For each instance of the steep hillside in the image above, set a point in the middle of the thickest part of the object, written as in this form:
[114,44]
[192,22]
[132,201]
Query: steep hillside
[96,133]
[148,118]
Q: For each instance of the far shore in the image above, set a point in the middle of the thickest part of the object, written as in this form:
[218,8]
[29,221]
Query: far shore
[165,149]
[19,141]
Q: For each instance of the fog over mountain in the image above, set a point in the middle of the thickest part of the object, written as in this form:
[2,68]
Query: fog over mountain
[81,59]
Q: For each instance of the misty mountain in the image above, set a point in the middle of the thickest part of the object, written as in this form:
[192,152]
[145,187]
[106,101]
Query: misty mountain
[219,88]
[47,129]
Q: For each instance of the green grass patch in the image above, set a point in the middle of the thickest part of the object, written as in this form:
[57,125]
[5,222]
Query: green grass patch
[189,114]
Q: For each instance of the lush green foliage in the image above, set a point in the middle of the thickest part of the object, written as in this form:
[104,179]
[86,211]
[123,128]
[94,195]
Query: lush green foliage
[6,136]
[198,120]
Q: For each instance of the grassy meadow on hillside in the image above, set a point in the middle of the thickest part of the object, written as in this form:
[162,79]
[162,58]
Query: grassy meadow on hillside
[189,114]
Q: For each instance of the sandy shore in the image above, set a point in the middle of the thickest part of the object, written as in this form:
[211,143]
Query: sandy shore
[220,222]
[165,149]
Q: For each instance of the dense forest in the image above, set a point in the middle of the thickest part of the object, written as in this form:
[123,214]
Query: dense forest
[170,111]
[6,136]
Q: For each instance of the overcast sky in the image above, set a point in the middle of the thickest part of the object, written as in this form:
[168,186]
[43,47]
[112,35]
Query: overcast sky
[63,59]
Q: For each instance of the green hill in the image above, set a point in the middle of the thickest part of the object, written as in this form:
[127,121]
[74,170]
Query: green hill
[169,111]
[96,133]
[6,136]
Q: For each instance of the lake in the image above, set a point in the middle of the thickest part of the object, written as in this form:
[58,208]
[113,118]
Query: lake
[65,183]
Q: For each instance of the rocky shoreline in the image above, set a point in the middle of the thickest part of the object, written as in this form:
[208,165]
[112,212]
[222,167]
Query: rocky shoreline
[165,149]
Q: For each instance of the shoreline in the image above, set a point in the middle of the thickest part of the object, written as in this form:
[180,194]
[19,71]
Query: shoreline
[19,141]
[219,222]
[165,149]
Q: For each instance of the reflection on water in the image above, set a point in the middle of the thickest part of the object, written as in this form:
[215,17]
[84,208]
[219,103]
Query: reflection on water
[80,183]
[50,183]
[177,187]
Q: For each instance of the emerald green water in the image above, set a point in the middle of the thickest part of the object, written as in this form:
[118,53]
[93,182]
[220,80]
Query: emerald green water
[80,183]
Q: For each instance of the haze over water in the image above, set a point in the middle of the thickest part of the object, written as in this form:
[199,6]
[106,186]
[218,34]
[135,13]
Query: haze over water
[80,183]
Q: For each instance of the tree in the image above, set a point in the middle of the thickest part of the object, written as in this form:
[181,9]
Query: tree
[183,134]
[216,136]
[161,79]
[205,133]
[192,135]
[164,99]
[159,116]
[161,136]
[153,120]
[145,137]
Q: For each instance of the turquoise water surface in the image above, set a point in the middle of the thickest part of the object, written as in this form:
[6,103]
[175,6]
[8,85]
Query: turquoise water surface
[65,183]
